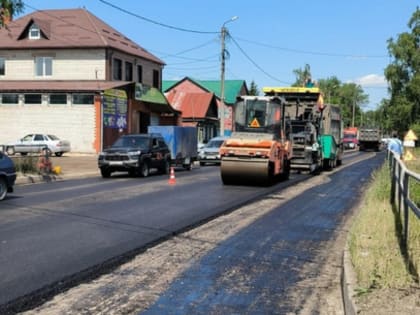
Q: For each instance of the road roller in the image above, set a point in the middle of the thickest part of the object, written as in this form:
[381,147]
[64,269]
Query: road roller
[258,151]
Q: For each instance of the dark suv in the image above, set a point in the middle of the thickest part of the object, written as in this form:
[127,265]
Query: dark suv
[136,154]
[7,175]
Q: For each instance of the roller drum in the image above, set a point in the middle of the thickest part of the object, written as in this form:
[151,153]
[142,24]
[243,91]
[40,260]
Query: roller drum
[239,171]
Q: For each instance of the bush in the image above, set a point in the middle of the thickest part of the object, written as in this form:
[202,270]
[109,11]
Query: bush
[26,164]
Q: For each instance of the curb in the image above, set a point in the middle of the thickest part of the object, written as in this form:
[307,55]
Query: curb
[348,281]
[25,179]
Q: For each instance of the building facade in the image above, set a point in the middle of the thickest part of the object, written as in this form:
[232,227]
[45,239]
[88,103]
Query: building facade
[68,73]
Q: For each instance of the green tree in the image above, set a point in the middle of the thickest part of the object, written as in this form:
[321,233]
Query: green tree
[9,8]
[302,75]
[253,89]
[403,75]
[351,97]
[330,87]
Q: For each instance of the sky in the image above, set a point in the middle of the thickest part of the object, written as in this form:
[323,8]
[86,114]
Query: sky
[268,40]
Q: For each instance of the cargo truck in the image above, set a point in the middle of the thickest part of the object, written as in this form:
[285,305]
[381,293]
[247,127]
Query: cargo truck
[369,139]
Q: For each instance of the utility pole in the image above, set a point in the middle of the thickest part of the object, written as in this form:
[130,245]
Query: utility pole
[223,33]
[354,109]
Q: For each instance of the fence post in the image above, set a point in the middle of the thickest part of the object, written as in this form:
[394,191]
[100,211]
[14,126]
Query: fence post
[405,202]
[393,179]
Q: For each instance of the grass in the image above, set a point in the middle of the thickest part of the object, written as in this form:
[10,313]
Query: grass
[26,164]
[374,239]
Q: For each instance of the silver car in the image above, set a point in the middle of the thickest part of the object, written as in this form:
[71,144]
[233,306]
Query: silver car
[210,152]
[34,143]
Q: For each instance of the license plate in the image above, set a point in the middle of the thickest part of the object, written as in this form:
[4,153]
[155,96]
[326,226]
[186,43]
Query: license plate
[115,163]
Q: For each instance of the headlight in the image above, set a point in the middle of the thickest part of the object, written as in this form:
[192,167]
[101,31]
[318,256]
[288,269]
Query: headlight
[134,153]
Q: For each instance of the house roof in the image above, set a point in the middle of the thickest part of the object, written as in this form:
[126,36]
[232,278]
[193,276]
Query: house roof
[191,104]
[70,28]
[59,86]
[232,87]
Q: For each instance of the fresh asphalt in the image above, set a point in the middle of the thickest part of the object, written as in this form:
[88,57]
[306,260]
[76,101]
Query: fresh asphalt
[201,279]
[271,253]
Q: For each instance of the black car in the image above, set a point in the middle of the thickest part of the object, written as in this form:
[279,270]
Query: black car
[136,154]
[7,175]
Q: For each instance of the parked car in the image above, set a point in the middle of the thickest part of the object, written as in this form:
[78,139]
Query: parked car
[210,152]
[7,175]
[34,143]
[136,154]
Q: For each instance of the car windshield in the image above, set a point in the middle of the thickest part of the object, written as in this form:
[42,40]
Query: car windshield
[134,142]
[214,144]
[349,136]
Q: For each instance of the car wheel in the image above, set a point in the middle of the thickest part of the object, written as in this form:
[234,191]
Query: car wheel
[105,173]
[10,150]
[3,188]
[58,153]
[166,167]
[24,153]
[144,169]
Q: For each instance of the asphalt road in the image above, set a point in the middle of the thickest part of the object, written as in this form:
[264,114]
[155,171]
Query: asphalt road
[55,234]
[58,234]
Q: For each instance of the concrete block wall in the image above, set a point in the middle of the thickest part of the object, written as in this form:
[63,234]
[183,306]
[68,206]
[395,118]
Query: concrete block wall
[74,123]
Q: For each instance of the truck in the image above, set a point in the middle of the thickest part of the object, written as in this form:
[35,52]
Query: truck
[316,128]
[369,138]
[350,139]
[160,149]
[257,152]
[182,142]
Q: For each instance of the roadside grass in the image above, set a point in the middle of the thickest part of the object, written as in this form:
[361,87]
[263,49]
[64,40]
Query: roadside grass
[26,164]
[374,239]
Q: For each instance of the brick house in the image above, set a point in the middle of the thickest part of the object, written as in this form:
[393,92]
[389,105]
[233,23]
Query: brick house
[199,100]
[68,73]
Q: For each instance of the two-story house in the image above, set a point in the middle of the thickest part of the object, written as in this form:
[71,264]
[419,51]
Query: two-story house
[68,73]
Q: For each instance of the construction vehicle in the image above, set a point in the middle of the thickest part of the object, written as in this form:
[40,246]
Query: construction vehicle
[257,152]
[369,138]
[316,129]
[350,140]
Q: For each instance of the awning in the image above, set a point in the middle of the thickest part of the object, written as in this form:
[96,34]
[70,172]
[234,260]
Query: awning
[154,96]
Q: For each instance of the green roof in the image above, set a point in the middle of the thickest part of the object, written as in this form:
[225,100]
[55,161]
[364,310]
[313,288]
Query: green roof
[232,87]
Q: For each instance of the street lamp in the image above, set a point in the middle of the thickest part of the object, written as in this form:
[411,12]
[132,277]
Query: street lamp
[223,32]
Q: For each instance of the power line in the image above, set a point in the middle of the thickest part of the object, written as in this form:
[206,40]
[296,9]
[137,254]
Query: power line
[327,54]
[155,22]
[255,64]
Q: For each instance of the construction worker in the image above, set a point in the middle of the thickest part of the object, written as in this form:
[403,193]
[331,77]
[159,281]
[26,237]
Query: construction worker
[395,145]
[44,162]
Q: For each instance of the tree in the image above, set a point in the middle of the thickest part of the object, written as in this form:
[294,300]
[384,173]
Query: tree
[403,75]
[9,8]
[302,75]
[253,89]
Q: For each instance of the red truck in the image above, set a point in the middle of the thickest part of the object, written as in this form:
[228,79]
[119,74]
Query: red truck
[350,140]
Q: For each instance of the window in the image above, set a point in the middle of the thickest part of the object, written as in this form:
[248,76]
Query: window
[2,66]
[83,99]
[34,32]
[156,79]
[58,99]
[117,69]
[43,66]
[33,98]
[10,98]
[128,71]
[140,74]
